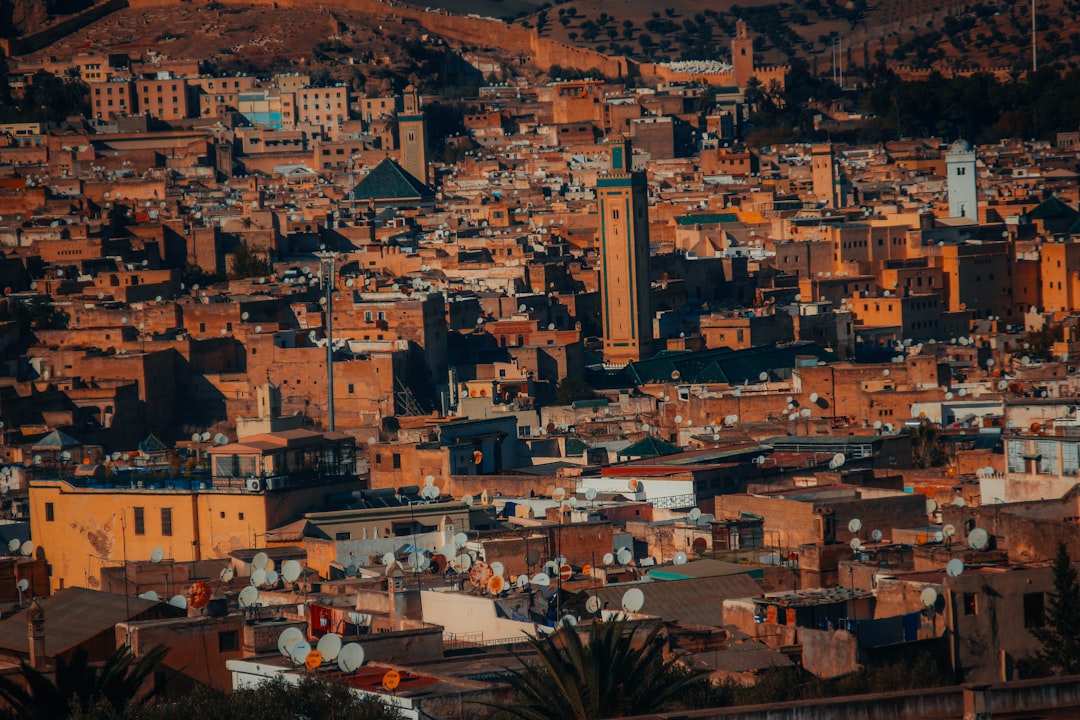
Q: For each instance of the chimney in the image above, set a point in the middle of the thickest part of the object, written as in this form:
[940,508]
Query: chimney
[35,630]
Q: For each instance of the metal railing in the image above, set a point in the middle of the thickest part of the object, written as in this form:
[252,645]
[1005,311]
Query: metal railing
[463,641]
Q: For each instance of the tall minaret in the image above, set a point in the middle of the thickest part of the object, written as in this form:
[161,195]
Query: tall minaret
[742,55]
[961,181]
[412,132]
[35,631]
[823,173]
[623,199]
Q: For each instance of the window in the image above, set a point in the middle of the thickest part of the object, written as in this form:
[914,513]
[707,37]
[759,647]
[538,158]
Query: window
[397,461]
[239,516]
[50,512]
[166,521]
[228,641]
[1034,610]
[343,535]
[970,606]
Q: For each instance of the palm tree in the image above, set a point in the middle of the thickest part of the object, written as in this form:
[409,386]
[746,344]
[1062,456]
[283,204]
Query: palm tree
[76,684]
[608,676]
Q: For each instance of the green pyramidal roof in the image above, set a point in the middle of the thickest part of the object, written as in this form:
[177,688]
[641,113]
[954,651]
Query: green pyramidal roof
[389,181]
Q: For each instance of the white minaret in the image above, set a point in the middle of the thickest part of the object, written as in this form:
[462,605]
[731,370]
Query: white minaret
[963,191]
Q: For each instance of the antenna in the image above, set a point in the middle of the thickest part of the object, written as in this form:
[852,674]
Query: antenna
[299,651]
[593,604]
[226,574]
[13,545]
[624,556]
[877,535]
[157,555]
[258,578]
[954,568]
[608,559]
[928,596]
[559,494]
[854,525]
[679,559]
[287,638]
[179,601]
[633,600]
[931,506]
[329,646]
[248,596]
[27,548]
[541,580]
[694,515]
[149,595]
[260,560]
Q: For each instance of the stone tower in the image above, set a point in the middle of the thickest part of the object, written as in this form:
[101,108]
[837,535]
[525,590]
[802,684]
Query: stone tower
[623,200]
[35,630]
[963,188]
[412,132]
[742,55]
[823,169]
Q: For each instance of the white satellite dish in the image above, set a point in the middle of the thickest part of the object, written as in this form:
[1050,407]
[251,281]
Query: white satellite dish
[289,637]
[633,600]
[813,397]
[290,571]
[416,561]
[559,494]
[608,559]
[856,544]
[680,558]
[248,596]
[226,574]
[221,439]
[854,525]
[593,604]
[179,601]
[388,559]
[590,494]
[468,500]
[13,545]
[497,568]
[259,561]
[762,377]
[954,568]
[271,578]
[461,539]
[877,535]
[958,501]
[541,580]
[948,531]
[928,597]
[258,578]
[978,539]
[694,515]
[464,562]
[350,657]
[678,419]
[298,652]
[149,595]
[931,506]
[839,459]
[157,555]
[624,556]
[522,582]
[23,585]
[27,548]
[329,646]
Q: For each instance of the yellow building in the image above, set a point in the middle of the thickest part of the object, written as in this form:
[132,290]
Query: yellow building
[84,524]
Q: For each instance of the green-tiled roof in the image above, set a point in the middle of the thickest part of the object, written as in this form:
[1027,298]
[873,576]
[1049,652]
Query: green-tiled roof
[649,447]
[723,365]
[710,219]
[1052,208]
[390,181]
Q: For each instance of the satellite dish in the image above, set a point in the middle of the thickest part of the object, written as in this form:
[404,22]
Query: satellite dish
[350,657]
[226,574]
[522,582]
[813,397]
[978,539]
[939,536]
[13,545]
[461,539]
[856,544]
[877,535]
[568,620]
[179,601]
[271,578]
[694,515]
[680,558]
[678,419]
[541,580]
[854,525]
[245,315]
[624,556]
[958,501]
[948,531]
[467,499]
[24,585]
[258,578]
[388,559]
[260,560]
[329,646]
[608,559]
[931,506]
[27,548]
[290,571]
[593,604]
[497,568]
[157,555]
[839,459]
[590,494]
[416,560]
[298,652]
[496,584]
[149,595]
[928,597]
[288,638]
[955,568]
[632,600]
[464,562]
[559,495]
[763,376]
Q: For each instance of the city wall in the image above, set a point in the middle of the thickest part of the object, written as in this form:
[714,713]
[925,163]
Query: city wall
[46,36]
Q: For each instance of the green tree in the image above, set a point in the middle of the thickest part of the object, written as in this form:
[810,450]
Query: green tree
[571,389]
[1060,635]
[606,676]
[927,447]
[77,685]
[248,263]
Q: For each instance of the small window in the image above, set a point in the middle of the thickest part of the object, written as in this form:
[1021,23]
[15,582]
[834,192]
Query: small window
[970,606]
[343,535]
[240,516]
[50,512]
[140,521]
[228,641]
[1034,610]
[166,521]
[397,461]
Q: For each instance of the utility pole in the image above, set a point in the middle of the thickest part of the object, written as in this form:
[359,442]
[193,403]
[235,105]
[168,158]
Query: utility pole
[1034,41]
[326,259]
